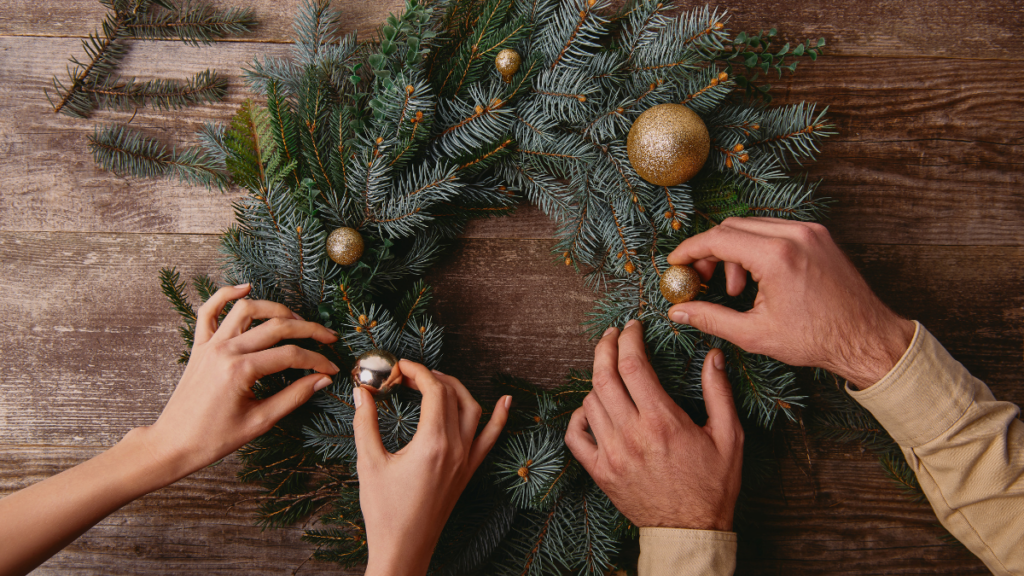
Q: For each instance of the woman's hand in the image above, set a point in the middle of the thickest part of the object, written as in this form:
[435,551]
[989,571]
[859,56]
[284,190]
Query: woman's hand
[213,411]
[406,497]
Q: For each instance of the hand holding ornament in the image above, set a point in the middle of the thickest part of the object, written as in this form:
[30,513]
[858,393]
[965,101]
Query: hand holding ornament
[812,308]
[406,497]
[657,466]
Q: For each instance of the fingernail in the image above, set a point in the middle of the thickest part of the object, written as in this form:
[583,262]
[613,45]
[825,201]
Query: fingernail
[438,372]
[335,366]
[508,402]
[321,384]
[719,361]
[609,330]
[246,285]
[296,316]
[333,332]
[357,397]
[630,323]
[679,317]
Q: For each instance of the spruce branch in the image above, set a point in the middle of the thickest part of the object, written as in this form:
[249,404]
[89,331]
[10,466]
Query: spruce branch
[127,152]
[192,22]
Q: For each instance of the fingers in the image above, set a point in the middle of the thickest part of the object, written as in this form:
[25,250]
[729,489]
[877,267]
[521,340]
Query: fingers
[489,435]
[735,279]
[579,440]
[276,329]
[434,408]
[366,428]
[245,311]
[283,403]
[468,409]
[273,360]
[206,316]
[607,384]
[637,372]
[723,422]
[736,327]
[749,250]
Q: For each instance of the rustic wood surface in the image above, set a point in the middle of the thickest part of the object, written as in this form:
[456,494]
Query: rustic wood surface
[926,170]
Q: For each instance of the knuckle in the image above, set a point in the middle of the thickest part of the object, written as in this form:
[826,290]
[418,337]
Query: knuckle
[631,364]
[590,403]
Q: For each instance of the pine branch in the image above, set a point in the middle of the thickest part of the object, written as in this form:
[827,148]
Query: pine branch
[127,152]
[116,93]
[193,22]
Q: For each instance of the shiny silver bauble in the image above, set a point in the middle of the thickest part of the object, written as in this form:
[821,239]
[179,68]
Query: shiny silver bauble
[377,371]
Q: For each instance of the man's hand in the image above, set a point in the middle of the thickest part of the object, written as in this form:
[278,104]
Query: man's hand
[406,497]
[812,308]
[658,467]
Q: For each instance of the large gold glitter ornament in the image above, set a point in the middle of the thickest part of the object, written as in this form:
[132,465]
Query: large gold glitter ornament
[680,284]
[377,371]
[668,144]
[345,246]
[507,62]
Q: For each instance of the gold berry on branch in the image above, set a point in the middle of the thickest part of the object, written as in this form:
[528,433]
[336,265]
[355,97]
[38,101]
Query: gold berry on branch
[345,246]
[680,284]
[668,144]
[507,62]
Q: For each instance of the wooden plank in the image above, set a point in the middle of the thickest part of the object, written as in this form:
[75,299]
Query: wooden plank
[840,517]
[925,153]
[201,525]
[864,28]
[78,19]
[90,344]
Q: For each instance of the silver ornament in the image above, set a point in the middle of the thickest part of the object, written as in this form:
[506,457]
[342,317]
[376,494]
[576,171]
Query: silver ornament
[377,371]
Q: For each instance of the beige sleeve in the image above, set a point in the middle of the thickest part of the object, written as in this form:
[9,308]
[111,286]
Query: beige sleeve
[679,552]
[966,448]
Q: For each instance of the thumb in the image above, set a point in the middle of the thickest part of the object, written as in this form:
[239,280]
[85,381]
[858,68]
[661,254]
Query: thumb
[714,319]
[286,401]
[723,422]
[365,426]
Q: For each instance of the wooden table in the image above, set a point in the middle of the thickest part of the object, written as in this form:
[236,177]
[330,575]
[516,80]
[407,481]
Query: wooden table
[926,169]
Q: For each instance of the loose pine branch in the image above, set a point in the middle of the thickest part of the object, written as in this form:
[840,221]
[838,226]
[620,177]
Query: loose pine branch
[127,152]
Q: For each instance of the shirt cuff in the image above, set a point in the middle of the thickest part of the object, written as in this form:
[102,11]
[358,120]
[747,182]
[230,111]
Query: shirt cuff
[923,395]
[681,552]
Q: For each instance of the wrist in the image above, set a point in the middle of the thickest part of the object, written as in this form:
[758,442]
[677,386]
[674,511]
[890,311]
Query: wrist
[879,352]
[158,467]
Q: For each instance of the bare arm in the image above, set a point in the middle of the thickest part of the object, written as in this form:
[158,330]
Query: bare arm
[212,413]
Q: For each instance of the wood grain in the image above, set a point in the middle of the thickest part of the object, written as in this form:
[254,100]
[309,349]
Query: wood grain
[90,342]
[953,29]
[927,152]
[203,524]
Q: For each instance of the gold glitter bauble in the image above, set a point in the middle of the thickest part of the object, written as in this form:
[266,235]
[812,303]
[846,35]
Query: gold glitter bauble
[668,144]
[377,371]
[507,62]
[345,246]
[680,284]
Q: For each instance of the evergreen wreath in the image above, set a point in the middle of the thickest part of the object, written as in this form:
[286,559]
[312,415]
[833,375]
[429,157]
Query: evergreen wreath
[405,140]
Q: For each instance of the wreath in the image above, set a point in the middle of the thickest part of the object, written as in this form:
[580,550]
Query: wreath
[362,161]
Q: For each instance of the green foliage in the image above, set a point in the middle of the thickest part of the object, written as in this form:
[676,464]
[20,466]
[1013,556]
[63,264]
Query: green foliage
[754,52]
[407,138]
[125,151]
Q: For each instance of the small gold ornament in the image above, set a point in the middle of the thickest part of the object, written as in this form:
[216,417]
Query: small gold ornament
[668,144]
[507,62]
[377,371]
[680,284]
[345,246]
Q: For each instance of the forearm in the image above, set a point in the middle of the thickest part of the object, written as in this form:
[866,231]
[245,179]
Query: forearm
[40,520]
[966,448]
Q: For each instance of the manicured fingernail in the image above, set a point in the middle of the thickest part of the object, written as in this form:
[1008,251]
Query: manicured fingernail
[609,330]
[333,332]
[508,402]
[296,316]
[335,366]
[630,323]
[357,397]
[246,285]
[321,384]
[679,317]
[719,361]
[438,372]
